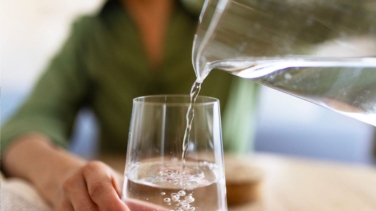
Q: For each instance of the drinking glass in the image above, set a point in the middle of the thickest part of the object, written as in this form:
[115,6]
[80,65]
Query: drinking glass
[158,173]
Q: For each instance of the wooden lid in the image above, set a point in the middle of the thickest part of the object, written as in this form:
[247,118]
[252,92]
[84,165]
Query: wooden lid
[243,181]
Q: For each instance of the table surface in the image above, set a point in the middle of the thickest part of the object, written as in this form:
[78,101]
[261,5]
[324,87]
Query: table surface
[301,184]
[286,184]
[296,184]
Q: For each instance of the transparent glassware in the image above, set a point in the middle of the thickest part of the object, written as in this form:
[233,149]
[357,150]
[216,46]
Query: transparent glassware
[323,51]
[284,29]
[155,174]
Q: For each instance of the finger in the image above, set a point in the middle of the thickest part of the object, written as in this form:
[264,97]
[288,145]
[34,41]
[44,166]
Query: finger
[100,181]
[76,191]
[65,205]
[118,181]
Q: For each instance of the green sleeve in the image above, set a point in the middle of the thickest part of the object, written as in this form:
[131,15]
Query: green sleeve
[239,117]
[53,104]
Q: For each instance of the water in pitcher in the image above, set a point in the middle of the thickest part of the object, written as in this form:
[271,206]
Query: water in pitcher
[347,86]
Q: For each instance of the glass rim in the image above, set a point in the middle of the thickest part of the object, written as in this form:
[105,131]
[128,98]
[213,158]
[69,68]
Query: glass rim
[169,99]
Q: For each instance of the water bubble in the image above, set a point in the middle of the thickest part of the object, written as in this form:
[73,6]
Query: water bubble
[189,199]
[181,193]
[167,200]
[186,206]
[174,197]
[163,193]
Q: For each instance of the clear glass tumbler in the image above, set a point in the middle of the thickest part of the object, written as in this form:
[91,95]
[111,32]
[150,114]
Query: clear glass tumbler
[156,175]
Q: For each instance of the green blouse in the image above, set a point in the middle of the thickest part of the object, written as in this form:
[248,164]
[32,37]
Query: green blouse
[103,66]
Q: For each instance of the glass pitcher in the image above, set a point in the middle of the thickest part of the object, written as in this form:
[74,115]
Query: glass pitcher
[323,51]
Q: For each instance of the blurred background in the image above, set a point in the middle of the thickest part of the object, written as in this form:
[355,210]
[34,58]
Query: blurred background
[33,30]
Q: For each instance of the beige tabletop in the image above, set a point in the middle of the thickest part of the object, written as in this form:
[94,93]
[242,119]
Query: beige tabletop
[301,184]
[296,184]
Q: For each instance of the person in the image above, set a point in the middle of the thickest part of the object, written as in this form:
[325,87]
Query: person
[130,48]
